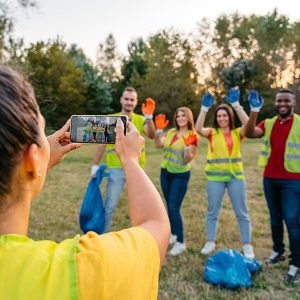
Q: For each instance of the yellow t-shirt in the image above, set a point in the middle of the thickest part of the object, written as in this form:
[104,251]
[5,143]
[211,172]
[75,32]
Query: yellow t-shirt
[118,265]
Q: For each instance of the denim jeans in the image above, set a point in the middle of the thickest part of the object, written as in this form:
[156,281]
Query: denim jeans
[237,194]
[174,187]
[283,198]
[114,187]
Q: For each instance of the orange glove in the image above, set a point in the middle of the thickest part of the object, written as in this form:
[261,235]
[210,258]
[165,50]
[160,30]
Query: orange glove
[190,139]
[161,122]
[148,108]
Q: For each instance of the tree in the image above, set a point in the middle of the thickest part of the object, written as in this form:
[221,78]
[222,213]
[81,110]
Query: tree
[171,75]
[98,92]
[59,85]
[7,12]
[108,60]
[134,63]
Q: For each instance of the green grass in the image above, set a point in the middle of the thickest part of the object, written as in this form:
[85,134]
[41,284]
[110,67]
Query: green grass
[55,216]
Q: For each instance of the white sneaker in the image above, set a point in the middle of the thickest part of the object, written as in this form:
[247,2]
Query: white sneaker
[173,239]
[208,248]
[177,248]
[248,251]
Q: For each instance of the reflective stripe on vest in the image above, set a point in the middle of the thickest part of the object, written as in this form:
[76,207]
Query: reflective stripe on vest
[220,166]
[292,146]
[38,270]
[112,159]
[173,160]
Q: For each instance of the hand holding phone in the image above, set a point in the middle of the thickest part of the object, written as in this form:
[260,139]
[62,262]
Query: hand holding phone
[95,128]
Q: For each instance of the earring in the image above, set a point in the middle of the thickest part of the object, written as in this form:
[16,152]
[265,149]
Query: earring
[39,173]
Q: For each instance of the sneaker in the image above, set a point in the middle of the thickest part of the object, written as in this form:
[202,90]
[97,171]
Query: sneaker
[248,251]
[208,248]
[173,239]
[293,275]
[274,258]
[177,248]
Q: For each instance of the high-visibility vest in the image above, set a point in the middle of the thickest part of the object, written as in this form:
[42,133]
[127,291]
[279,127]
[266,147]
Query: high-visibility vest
[292,146]
[38,270]
[173,160]
[220,165]
[112,159]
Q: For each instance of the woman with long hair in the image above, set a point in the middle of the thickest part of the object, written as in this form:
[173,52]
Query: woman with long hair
[224,168]
[179,146]
[116,265]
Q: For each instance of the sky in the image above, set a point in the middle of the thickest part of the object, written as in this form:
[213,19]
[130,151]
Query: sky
[88,22]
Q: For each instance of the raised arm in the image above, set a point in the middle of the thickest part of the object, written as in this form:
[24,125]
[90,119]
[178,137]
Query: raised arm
[189,149]
[233,98]
[148,110]
[256,103]
[207,102]
[145,204]
[160,123]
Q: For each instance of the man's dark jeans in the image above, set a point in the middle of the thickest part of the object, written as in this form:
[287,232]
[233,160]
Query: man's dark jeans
[283,198]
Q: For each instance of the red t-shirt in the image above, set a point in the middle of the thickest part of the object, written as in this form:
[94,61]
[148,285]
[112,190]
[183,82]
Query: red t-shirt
[228,140]
[275,167]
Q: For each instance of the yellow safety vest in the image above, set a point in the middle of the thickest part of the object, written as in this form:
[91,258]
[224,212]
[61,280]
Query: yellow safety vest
[38,270]
[112,159]
[220,166]
[292,146]
[173,154]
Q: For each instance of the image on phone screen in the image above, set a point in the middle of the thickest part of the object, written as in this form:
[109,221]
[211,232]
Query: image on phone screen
[95,129]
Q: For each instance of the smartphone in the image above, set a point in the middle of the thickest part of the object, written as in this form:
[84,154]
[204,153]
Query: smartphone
[95,129]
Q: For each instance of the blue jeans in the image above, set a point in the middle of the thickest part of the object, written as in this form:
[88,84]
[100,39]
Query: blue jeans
[237,194]
[174,187]
[114,187]
[283,198]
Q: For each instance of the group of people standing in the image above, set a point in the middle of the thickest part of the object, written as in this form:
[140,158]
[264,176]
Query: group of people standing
[224,167]
[126,264]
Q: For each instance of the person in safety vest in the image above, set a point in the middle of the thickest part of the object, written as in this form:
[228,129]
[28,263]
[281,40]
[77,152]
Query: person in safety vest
[120,265]
[224,168]
[179,149]
[280,158]
[116,179]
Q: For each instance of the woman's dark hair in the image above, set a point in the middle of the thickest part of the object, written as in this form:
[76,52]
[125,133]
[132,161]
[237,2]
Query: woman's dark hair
[230,114]
[19,128]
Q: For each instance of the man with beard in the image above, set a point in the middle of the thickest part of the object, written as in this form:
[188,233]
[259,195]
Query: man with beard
[280,156]
[116,179]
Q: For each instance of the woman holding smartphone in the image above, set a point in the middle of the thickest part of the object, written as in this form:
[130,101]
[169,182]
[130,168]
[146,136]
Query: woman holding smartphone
[117,265]
[179,146]
[224,168]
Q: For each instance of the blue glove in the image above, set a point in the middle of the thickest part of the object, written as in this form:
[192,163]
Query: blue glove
[256,101]
[207,102]
[233,97]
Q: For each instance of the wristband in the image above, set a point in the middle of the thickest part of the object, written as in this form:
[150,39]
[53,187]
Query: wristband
[238,108]
[149,117]
[235,104]
[204,108]
[159,132]
[255,109]
[187,148]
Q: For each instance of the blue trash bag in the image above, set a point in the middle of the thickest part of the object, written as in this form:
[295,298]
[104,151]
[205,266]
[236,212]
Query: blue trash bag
[91,216]
[253,265]
[227,268]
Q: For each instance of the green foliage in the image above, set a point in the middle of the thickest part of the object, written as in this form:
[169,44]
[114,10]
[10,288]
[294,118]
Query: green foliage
[168,73]
[98,92]
[56,79]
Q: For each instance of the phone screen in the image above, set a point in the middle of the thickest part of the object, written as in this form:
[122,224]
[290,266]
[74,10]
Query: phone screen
[95,129]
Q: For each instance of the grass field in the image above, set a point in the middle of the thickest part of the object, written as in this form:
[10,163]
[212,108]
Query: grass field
[55,216]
